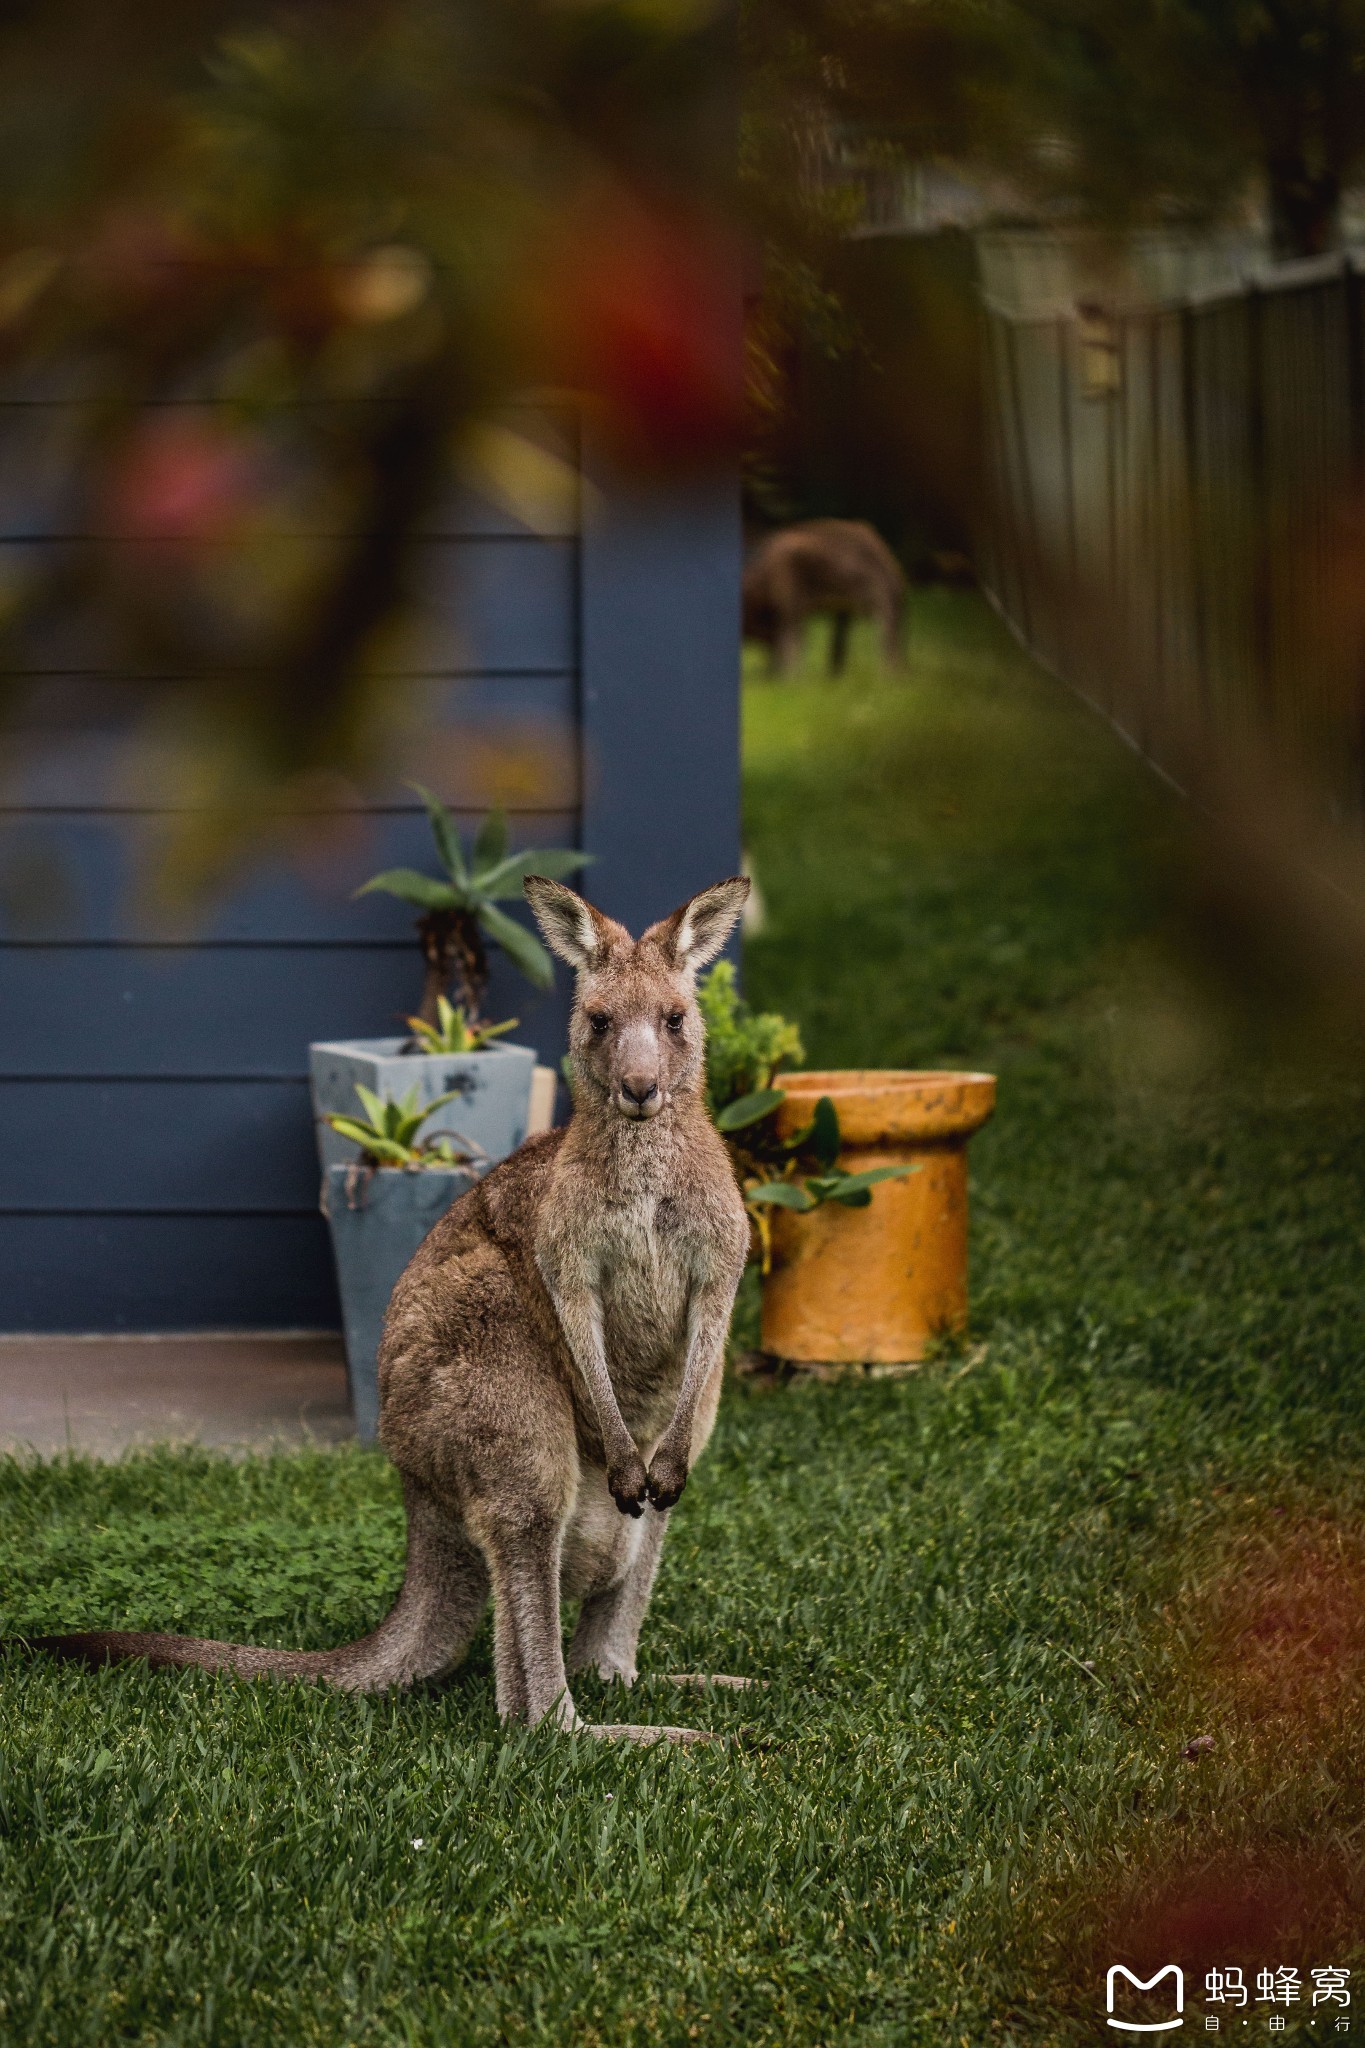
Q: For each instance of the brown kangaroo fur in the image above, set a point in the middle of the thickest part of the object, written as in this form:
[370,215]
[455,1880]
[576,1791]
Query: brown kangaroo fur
[551,1360]
[823,565]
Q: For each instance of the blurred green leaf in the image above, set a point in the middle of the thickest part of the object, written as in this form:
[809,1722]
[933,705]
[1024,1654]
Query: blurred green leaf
[779,1194]
[443,830]
[749,1109]
[422,890]
[845,1184]
[824,1137]
[372,1143]
[490,847]
[744,1047]
[521,947]
[373,1105]
[555,861]
[389,1135]
[452,1033]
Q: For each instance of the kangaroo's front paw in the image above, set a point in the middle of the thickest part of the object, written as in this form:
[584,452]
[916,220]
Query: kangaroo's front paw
[627,1483]
[667,1478]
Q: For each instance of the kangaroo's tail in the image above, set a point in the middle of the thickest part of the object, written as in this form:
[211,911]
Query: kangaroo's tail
[345,1666]
[424,1635]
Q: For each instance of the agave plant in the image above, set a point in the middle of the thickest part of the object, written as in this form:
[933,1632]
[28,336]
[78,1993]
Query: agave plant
[460,913]
[452,1031]
[387,1133]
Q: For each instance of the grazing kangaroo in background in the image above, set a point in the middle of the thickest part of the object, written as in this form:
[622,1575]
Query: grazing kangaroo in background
[551,1360]
[824,565]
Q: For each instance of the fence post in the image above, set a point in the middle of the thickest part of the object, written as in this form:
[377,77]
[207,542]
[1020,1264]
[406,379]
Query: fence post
[1156,532]
[1005,484]
[1355,394]
[1069,491]
[1262,643]
[1029,554]
[1189,409]
[1125,532]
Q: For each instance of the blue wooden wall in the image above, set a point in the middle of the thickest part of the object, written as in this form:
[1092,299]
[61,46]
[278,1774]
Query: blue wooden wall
[158,1169]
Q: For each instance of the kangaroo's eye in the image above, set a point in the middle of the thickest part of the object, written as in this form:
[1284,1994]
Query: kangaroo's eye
[674,1020]
[599,1021]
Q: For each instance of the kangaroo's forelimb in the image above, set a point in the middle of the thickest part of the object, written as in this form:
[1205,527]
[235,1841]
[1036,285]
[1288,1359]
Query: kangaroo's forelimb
[708,1321]
[578,1305]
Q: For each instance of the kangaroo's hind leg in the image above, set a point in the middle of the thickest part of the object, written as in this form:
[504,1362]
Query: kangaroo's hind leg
[608,1631]
[432,1623]
[528,1648]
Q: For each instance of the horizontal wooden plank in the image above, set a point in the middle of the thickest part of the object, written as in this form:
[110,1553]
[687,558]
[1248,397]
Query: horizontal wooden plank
[499,603]
[518,475]
[85,1273]
[83,743]
[223,1010]
[492,604]
[73,876]
[224,1146]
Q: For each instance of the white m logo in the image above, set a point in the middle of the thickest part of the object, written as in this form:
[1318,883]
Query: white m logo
[1116,1970]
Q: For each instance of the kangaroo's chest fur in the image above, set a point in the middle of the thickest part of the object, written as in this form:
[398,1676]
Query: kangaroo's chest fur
[648,1254]
[644,1228]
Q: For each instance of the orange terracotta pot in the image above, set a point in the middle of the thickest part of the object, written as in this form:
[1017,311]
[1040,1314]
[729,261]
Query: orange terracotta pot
[872,1286]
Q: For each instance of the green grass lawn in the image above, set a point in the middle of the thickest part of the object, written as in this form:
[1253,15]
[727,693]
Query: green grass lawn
[995,1601]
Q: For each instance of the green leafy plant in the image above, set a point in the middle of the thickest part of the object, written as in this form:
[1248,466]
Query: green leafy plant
[452,1032]
[387,1134]
[745,1048]
[460,913]
[797,1173]
[817,1146]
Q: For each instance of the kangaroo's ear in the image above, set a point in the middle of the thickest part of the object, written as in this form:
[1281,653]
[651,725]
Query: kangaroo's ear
[695,933]
[571,926]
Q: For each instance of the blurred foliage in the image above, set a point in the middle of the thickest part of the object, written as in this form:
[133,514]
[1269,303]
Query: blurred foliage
[827,85]
[290,262]
[1083,112]
[1196,109]
[287,262]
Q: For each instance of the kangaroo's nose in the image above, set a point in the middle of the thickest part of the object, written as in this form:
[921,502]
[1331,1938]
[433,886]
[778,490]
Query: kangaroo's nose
[638,1090]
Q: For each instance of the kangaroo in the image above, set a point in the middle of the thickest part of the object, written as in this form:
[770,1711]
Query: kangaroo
[551,1359]
[823,565]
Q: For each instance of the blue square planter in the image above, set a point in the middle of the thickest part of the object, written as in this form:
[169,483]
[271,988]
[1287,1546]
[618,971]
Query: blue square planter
[377,1220]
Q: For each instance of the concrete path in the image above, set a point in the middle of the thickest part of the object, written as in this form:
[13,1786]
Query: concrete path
[102,1395]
